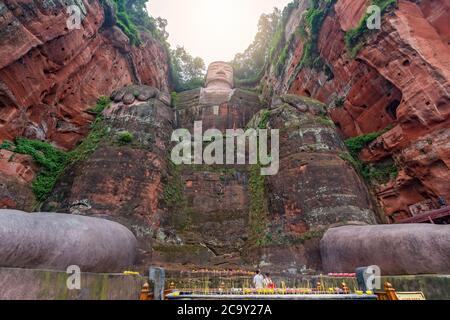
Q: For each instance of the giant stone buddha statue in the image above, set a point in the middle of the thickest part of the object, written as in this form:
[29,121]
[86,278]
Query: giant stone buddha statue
[217,104]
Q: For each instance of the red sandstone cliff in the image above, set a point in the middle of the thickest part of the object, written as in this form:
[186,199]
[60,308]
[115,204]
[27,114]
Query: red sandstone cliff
[51,76]
[400,79]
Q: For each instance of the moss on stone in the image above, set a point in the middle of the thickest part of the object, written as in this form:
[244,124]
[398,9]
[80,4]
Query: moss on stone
[258,215]
[98,132]
[174,99]
[175,200]
[50,160]
[324,120]
[125,137]
[309,30]
[277,237]
[265,118]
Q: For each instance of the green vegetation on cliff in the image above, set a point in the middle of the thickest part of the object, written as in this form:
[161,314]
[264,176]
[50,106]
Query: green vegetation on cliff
[354,38]
[175,200]
[186,72]
[98,131]
[249,66]
[357,144]
[309,31]
[52,161]
[265,118]
[132,17]
[278,42]
[379,173]
[125,137]
[258,218]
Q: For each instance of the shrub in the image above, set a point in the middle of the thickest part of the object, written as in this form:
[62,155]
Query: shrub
[372,173]
[265,117]
[50,160]
[258,220]
[7,145]
[97,133]
[102,104]
[357,144]
[125,137]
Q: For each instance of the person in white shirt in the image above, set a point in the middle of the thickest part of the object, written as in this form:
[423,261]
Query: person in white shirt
[258,280]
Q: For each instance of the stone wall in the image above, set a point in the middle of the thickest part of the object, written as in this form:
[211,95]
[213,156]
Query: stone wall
[27,284]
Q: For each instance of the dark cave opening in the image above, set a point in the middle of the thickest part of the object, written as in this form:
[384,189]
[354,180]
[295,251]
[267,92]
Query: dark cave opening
[391,109]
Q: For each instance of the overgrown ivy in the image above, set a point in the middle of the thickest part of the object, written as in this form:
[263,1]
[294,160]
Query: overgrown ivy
[125,23]
[50,160]
[357,144]
[379,173]
[265,117]
[175,200]
[98,131]
[309,31]
[258,218]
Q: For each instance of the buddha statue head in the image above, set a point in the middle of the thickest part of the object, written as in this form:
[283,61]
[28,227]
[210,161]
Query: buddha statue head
[220,76]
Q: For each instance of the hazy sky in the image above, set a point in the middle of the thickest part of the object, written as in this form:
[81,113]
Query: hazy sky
[213,29]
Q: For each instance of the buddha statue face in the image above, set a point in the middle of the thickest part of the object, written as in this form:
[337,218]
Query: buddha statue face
[220,75]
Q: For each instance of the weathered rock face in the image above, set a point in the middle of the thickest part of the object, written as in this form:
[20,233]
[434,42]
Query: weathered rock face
[396,249]
[324,189]
[123,179]
[210,227]
[16,175]
[314,188]
[208,207]
[56,241]
[399,79]
[50,76]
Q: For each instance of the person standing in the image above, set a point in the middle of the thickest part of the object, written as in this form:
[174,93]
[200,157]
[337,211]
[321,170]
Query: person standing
[258,280]
[268,282]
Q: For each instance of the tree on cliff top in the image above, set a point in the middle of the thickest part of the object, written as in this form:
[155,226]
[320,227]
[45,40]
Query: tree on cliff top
[248,65]
[187,72]
[132,16]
